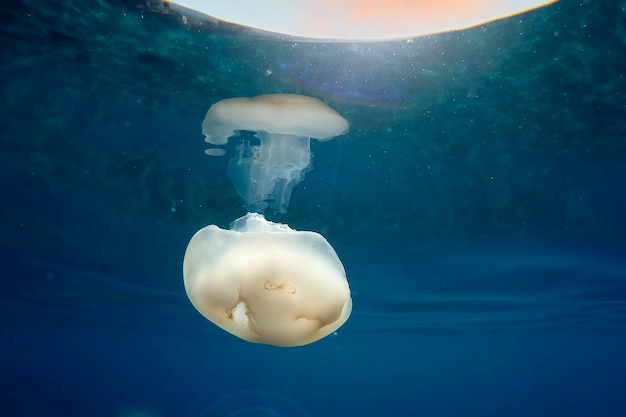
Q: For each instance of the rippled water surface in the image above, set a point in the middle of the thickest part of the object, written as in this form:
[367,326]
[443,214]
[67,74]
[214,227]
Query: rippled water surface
[477,204]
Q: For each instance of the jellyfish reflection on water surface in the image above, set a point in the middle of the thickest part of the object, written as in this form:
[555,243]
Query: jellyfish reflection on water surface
[265,174]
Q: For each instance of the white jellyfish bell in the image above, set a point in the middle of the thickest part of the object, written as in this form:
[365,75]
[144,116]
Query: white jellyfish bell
[265,174]
[267,283]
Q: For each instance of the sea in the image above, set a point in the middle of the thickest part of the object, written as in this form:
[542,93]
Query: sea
[477,203]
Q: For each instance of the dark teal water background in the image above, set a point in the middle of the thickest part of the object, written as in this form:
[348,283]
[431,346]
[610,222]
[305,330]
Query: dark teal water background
[478,204]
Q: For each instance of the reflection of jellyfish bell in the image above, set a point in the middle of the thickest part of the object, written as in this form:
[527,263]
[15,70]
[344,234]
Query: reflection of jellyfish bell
[254,404]
[266,172]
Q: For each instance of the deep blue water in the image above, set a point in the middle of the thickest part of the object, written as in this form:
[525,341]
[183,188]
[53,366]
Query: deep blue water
[477,204]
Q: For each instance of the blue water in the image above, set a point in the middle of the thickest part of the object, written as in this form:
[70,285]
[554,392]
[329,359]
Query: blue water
[477,205]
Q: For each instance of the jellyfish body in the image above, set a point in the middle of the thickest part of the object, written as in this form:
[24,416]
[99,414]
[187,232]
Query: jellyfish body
[267,283]
[358,19]
[265,173]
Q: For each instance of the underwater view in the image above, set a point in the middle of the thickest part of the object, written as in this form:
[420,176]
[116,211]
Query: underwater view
[204,219]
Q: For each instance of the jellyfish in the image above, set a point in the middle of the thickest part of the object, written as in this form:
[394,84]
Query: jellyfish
[265,282]
[265,170]
[357,19]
